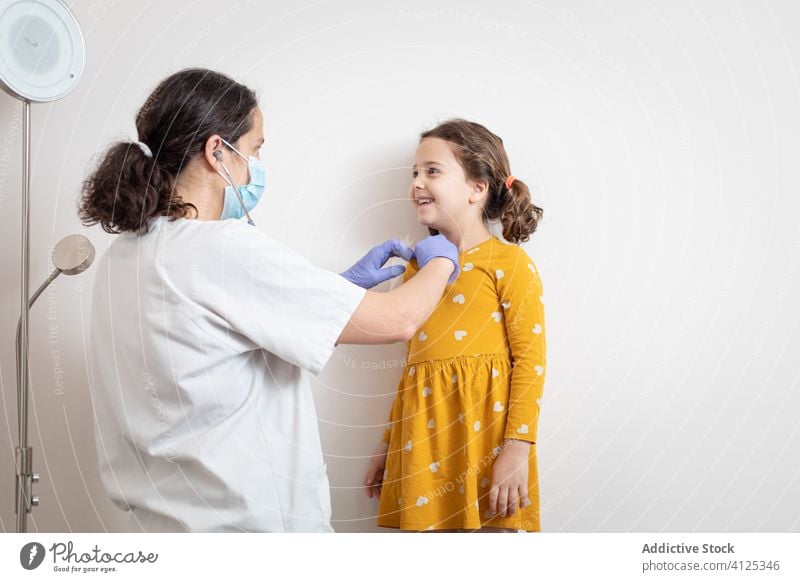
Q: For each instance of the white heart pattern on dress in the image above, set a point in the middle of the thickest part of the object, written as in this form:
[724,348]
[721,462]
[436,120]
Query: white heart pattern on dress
[506,304]
[539,370]
[408,446]
[495,373]
[467,267]
[422,336]
[523,429]
[476,426]
[434,467]
[484,482]
[499,273]
[537,328]
[460,334]
[497,316]
[459,299]
[498,407]
[421,500]
[454,379]
[431,423]
[427,391]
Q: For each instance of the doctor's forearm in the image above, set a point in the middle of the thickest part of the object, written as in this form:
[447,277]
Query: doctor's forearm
[384,318]
[419,296]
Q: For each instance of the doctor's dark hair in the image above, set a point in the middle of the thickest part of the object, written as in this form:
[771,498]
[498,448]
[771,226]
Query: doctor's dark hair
[128,187]
[483,157]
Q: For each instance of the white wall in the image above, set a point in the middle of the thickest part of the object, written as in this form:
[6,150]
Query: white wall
[660,138]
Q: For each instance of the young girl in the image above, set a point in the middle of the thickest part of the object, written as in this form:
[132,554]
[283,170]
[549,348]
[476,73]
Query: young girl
[460,452]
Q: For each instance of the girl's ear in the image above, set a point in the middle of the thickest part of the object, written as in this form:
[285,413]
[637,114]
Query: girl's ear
[480,188]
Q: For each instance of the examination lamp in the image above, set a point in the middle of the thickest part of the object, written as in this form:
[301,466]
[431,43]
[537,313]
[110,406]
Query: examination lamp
[42,57]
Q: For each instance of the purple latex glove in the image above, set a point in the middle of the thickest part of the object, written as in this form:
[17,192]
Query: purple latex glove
[367,272]
[437,246]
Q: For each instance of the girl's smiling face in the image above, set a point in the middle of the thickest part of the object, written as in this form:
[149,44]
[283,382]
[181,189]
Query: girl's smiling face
[445,198]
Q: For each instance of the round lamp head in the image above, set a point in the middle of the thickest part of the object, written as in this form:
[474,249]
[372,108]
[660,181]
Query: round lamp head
[41,49]
[73,254]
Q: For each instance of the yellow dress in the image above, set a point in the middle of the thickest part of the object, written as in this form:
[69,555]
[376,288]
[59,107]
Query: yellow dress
[474,377]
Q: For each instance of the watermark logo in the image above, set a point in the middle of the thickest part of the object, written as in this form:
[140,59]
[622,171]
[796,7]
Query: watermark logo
[31,555]
[69,559]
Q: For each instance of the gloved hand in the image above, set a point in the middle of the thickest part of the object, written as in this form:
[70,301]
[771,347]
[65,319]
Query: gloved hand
[367,272]
[437,246]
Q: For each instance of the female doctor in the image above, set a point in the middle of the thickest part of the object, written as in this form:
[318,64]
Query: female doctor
[203,327]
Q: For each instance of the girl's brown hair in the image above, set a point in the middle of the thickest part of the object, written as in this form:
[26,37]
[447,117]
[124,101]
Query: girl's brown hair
[129,187]
[483,157]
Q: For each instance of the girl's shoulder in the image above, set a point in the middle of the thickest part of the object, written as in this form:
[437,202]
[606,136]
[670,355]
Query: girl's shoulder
[514,267]
[510,253]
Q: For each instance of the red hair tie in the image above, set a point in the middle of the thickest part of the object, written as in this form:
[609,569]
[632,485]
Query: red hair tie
[509,181]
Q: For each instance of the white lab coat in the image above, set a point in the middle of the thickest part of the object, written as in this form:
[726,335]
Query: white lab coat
[201,335]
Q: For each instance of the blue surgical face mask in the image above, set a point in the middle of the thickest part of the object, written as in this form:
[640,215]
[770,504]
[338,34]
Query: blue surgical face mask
[232,206]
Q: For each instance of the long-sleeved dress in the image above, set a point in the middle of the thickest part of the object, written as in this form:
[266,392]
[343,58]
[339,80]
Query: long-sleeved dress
[474,377]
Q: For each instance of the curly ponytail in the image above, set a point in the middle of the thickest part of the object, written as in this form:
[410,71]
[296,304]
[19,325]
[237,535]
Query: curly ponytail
[129,187]
[126,189]
[483,157]
[517,213]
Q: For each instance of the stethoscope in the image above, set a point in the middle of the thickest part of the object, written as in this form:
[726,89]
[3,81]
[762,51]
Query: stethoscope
[218,156]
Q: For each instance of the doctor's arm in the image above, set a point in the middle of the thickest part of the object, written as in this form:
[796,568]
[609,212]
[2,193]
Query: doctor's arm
[383,318]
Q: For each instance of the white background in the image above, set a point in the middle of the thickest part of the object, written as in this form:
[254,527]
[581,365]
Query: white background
[659,137]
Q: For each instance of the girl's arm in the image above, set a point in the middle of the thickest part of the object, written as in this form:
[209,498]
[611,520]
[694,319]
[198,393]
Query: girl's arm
[373,480]
[521,293]
[394,414]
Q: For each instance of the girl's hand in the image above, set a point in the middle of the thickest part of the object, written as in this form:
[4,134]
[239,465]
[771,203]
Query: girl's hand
[510,479]
[373,480]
